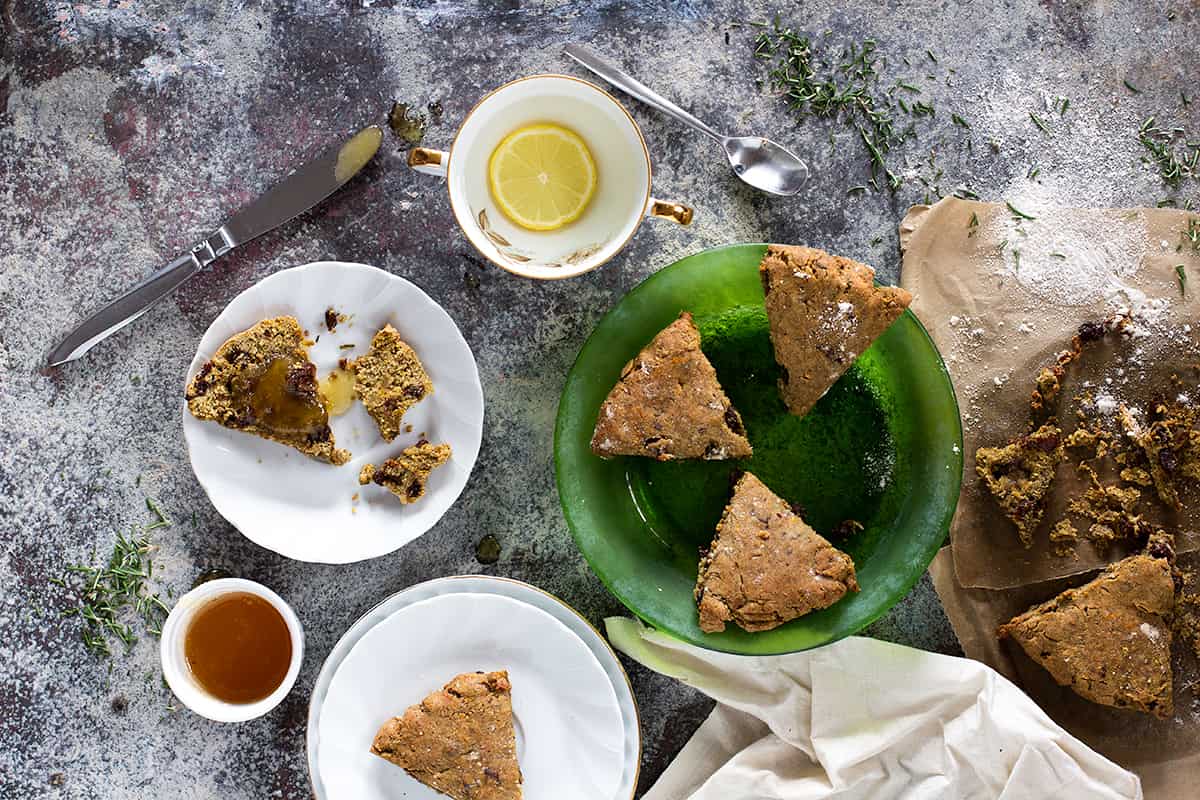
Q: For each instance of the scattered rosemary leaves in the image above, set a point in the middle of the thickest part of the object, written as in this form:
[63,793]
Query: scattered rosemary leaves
[1182,275]
[108,597]
[1175,156]
[1041,126]
[972,224]
[1131,87]
[819,80]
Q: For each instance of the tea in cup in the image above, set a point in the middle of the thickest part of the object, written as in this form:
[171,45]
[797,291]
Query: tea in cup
[549,177]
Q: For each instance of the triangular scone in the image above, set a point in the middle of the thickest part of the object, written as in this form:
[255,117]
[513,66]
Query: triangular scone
[389,380]
[824,311]
[766,565]
[1108,640]
[668,404]
[1019,476]
[406,475]
[460,740]
[260,381]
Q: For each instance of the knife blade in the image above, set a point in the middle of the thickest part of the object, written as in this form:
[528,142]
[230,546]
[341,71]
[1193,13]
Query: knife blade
[295,194]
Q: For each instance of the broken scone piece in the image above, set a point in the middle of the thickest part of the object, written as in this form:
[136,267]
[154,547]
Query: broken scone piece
[260,381]
[460,740]
[668,404]
[766,566]
[824,312]
[406,475]
[389,379]
[1019,476]
[1109,640]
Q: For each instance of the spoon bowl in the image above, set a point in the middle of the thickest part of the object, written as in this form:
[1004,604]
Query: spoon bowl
[766,165]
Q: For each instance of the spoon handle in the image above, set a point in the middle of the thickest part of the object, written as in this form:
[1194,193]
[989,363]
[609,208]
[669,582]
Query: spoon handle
[633,86]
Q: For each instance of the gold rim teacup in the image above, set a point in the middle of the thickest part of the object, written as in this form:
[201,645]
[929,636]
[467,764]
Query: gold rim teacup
[622,199]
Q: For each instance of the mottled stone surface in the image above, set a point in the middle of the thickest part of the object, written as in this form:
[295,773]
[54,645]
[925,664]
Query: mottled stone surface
[129,128]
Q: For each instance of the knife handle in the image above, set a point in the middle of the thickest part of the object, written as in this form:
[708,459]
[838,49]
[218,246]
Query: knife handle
[131,305]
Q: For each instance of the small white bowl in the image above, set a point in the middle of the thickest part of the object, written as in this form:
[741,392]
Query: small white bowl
[174,663]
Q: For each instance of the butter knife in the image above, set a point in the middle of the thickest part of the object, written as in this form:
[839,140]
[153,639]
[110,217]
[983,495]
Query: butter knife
[289,198]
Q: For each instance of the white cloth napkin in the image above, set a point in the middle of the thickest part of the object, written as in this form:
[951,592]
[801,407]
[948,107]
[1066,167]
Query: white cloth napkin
[862,718]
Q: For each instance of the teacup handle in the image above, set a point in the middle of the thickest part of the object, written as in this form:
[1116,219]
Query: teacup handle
[665,209]
[431,162]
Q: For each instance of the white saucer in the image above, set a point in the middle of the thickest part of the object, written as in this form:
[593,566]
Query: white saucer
[306,509]
[577,726]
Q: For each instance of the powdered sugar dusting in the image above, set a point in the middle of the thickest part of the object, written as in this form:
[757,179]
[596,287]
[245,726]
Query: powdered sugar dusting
[1064,259]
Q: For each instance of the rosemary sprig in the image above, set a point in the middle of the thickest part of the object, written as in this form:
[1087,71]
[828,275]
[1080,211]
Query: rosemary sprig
[1182,275]
[107,596]
[1040,125]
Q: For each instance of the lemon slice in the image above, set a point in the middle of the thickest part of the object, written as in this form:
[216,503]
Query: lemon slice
[542,176]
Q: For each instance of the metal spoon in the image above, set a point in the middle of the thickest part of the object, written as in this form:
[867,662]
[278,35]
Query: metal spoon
[765,165]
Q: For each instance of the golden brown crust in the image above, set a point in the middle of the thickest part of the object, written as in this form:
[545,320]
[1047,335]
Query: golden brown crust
[460,740]
[668,404]
[766,566]
[407,474]
[389,379]
[1019,475]
[824,311]
[260,381]
[1108,640]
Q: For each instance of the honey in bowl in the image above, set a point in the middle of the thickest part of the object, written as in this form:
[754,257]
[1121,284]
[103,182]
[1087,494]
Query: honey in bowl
[238,647]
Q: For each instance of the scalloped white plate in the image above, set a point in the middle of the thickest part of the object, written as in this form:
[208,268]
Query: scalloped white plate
[570,738]
[497,640]
[306,509]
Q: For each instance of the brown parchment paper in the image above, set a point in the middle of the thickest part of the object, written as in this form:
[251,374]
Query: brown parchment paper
[1164,753]
[997,321]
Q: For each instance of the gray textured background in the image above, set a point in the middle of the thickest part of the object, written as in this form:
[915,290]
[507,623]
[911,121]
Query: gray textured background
[129,128]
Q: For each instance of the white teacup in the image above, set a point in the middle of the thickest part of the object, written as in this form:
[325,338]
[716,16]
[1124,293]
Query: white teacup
[622,199]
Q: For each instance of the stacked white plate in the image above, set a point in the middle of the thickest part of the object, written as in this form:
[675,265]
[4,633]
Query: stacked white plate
[576,721]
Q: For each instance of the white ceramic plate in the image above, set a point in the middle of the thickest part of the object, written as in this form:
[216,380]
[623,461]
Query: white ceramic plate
[571,697]
[303,508]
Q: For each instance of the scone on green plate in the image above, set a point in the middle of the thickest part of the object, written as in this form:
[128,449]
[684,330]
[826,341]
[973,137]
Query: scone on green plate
[260,381]
[389,379]
[668,404]
[406,475]
[459,741]
[766,566]
[824,312]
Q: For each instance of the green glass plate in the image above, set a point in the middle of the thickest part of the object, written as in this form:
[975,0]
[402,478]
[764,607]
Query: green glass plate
[883,447]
